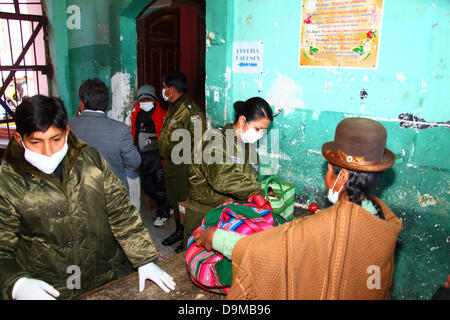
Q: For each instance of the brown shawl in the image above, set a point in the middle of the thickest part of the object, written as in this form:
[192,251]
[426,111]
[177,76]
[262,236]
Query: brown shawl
[328,255]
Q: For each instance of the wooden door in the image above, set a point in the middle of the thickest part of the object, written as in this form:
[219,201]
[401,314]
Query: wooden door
[158,46]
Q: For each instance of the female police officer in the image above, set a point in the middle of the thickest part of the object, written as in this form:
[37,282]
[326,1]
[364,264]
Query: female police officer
[229,167]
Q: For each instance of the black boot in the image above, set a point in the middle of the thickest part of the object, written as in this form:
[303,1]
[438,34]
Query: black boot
[174,237]
[179,248]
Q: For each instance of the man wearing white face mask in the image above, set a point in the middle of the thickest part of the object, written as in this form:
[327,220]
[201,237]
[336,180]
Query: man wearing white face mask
[183,113]
[146,122]
[62,209]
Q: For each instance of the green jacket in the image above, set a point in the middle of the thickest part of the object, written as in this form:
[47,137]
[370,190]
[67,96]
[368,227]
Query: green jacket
[47,225]
[182,114]
[224,174]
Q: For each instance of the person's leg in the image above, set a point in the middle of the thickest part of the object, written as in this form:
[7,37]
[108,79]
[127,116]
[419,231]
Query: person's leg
[163,210]
[153,185]
[177,185]
[173,203]
[179,231]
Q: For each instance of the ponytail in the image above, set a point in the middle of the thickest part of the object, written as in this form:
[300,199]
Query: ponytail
[253,109]
[361,184]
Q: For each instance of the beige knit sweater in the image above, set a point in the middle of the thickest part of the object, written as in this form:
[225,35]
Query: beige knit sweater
[342,252]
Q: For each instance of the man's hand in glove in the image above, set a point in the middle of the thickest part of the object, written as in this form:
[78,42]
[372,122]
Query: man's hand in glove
[33,289]
[157,275]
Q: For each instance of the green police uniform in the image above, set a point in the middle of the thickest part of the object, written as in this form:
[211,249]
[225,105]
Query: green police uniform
[214,182]
[182,114]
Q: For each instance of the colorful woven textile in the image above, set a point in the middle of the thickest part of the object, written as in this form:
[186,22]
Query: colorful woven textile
[210,270]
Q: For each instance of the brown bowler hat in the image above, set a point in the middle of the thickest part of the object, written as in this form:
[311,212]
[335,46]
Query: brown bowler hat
[359,144]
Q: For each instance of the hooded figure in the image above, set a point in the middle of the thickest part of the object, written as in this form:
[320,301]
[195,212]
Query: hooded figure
[146,122]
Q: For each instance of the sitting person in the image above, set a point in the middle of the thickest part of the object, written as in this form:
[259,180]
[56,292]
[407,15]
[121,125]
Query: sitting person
[343,252]
[232,172]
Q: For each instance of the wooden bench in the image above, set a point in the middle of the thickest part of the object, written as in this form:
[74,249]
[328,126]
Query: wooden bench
[127,288]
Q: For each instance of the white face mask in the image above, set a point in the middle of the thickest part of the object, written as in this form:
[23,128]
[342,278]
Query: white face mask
[251,135]
[44,163]
[146,106]
[333,197]
[166,98]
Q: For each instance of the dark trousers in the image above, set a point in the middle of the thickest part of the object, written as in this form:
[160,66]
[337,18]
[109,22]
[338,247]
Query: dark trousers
[152,181]
[177,187]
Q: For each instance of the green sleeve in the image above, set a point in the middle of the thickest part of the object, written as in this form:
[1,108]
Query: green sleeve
[165,143]
[10,271]
[229,178]
[224,242]
[125,222]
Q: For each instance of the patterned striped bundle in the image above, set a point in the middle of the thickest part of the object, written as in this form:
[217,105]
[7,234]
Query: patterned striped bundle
[210,270]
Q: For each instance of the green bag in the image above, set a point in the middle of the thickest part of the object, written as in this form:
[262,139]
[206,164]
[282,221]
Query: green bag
[284,205]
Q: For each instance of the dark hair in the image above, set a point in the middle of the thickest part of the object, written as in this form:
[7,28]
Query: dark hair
[253,109]
[177,80]
[94,94]
[38,113]
[361,184]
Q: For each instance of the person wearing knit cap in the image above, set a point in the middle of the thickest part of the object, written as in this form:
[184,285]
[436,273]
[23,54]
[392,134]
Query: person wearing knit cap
[146,122]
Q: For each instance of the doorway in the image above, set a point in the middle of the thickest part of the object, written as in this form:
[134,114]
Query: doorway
[173,39]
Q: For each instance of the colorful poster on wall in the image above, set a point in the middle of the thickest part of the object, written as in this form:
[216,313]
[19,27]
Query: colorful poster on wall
[340,33]
[248,57]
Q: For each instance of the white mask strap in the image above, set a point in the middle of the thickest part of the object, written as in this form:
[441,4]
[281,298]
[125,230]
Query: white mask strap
[335,181]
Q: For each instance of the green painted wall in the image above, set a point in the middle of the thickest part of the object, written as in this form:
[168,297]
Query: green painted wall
[59,47]
[103,47]
[412,77]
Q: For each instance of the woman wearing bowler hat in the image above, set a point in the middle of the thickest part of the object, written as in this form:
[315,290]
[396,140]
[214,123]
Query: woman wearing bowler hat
[343,252]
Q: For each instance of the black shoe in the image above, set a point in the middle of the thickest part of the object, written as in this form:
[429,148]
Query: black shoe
[174,237]
[179,248]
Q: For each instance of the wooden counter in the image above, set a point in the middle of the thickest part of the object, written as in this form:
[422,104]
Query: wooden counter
[127,288]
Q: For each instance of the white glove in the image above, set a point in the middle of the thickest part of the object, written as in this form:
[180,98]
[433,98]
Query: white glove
[157,275]
[33,289]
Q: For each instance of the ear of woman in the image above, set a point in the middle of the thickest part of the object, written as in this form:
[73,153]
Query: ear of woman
[345,175]
[242,121]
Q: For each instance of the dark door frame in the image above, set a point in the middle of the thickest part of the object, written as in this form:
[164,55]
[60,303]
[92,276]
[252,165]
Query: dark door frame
[199,95]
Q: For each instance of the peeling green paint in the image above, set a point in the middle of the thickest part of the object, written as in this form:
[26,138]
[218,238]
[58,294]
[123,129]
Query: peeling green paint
[412,77]
[59,46]
[104,45]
